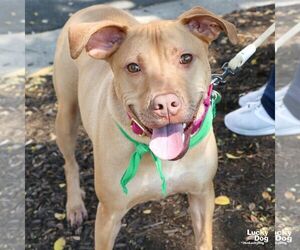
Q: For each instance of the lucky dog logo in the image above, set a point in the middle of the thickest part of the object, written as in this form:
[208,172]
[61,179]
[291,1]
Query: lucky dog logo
[283,237]
[254,237]
[260,237]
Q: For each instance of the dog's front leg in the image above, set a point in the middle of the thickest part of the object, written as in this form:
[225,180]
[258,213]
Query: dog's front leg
[108,223]
[202,209]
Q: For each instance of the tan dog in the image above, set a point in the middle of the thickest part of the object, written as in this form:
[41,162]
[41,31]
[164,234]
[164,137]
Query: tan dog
[108,65]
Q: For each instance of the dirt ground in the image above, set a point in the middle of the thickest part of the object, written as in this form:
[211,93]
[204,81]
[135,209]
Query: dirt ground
[245,174]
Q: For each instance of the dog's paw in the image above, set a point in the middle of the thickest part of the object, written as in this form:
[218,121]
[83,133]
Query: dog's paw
[76,212]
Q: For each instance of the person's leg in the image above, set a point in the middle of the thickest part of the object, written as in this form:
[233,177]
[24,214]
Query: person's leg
[292,97]
[268,98]
[255,118]
[288,109]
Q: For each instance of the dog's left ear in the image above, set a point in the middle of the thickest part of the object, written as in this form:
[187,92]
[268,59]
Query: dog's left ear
[100,39]
[206,25]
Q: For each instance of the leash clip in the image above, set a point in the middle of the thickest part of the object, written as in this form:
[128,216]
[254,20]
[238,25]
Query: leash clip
[219,79]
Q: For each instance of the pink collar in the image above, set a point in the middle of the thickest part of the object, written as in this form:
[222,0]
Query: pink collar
[139,130]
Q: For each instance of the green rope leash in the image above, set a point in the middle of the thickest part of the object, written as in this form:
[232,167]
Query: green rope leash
[141,148]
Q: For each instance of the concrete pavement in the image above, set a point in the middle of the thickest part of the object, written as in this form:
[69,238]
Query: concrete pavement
[49,15]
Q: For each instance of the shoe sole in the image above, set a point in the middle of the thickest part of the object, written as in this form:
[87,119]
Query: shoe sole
[261,132]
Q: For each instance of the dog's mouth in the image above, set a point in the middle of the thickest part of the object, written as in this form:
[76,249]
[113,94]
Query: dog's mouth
[169,142]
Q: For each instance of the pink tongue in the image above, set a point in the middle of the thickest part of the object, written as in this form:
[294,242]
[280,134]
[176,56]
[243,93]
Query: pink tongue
[166,142]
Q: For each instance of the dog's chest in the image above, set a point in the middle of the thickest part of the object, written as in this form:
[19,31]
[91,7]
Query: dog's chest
[181,176]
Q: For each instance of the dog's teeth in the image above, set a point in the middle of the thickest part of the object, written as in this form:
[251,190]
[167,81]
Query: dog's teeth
[183,137]
[184,125]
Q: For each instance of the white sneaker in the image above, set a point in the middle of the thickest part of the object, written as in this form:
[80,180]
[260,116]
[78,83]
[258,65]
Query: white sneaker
[253,96]
[286,123]
[250,120]
[256,95]
[279,94]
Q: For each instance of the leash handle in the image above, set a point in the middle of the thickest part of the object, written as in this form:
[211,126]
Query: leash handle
[287,36]
[243,56]
[231,67]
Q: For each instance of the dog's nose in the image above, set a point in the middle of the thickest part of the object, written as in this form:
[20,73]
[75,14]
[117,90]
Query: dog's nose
[166,105]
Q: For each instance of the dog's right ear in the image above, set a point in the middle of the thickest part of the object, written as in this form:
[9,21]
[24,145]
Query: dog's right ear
[100,39]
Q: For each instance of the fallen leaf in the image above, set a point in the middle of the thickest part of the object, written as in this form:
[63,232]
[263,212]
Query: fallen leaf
[60,244]
[62,185]
[77,238]
[289,195]
[222,200]
[238,207]
[230,156]
[264,231]
[147,211]
[254,61]
[253,218]
[52,137]
[250,237]
[251,206]
[266,195]
[60,216]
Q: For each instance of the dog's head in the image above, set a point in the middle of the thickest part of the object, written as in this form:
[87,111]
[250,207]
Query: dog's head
[161,70]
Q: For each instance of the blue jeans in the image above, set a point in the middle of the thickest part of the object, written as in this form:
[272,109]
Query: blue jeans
[268,98]
[292,97]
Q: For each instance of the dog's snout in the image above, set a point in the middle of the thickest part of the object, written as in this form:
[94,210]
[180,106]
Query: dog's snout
[166,105]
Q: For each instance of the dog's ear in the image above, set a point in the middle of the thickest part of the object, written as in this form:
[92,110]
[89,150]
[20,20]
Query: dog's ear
[100,39]
[206,25]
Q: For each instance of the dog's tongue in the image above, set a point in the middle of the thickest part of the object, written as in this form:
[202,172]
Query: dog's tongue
[167,142]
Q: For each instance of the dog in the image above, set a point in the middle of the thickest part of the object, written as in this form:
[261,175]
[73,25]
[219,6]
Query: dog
[117,75]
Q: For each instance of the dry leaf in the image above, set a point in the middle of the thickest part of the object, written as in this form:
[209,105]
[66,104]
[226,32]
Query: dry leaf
[253,218]
[147,211]
[230,156]
[254,61]
[264,231]
[250,237]
[60,216]
[222,200]
[252,206]
[62,185]
[52,137]
[238,207]
[60,244]
[266,196]
[289,195]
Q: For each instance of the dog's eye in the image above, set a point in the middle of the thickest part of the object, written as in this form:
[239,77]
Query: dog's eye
[133,68]
[186,58]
